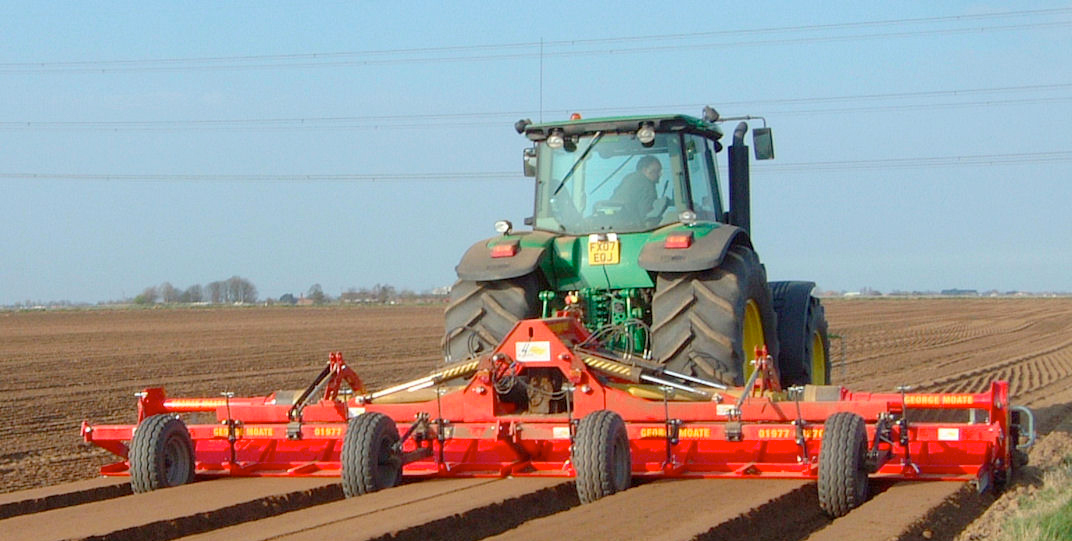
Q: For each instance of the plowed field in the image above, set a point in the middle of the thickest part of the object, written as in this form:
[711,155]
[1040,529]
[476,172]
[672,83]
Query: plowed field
[58,368]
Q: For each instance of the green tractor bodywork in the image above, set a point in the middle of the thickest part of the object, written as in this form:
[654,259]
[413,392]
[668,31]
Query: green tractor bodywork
[630,232]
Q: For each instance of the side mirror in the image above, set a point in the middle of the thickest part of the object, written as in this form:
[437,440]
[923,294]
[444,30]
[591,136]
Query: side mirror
[528,158]
[763,143]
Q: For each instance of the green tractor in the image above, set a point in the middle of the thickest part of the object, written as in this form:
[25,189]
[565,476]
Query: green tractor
[630,234]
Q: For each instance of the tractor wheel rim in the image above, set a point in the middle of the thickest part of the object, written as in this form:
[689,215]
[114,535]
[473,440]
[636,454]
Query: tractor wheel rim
[752,335]
[818,360]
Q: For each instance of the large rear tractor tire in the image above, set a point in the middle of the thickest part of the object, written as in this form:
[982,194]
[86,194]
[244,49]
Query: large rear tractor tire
[802,334]
[370,461]
[161,454]
[843,483]
[708,323]
[601,456]
[481,313]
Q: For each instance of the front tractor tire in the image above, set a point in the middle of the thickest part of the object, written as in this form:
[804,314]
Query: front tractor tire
[161,454]
[370,460]
[708,323]
[601,456]
[481,313]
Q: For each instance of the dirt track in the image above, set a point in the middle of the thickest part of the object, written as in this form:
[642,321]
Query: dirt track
[58,368]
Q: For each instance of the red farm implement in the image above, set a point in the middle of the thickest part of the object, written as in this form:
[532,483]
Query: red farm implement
[549,401]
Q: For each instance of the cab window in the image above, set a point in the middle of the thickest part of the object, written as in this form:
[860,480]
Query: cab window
[703,178]
[609,182]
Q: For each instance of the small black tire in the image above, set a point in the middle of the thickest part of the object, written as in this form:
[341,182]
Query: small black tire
[481,313]
[369,459]
[843,470]
[161,454]
[601,456]
[700,320]
[804,356]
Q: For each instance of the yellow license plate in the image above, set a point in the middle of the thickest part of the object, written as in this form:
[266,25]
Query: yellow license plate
[603,252]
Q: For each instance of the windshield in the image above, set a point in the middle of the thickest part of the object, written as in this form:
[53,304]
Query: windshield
[609,182]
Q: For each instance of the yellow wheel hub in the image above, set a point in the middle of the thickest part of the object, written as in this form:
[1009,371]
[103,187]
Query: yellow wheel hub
[752,335]
[818,360]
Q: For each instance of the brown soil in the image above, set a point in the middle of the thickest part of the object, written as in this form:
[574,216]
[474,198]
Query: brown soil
[1048,454]
[672,509]
[172,513]
[57,368]
[438,509]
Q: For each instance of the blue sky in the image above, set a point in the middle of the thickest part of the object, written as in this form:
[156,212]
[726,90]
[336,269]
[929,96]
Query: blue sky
[919,145]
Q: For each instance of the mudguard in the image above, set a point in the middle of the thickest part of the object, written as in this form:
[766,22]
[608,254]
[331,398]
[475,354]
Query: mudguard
[478,265]
[705,253]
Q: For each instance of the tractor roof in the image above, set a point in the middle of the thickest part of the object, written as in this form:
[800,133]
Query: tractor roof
[661,123]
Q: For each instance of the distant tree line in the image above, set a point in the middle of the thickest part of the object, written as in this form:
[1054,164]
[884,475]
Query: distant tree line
[232,290]
[377,294]
[238,290]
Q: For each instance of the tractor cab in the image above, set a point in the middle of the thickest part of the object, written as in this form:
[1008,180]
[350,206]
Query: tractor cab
[623,175]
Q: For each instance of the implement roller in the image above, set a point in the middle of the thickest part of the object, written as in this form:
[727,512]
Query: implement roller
[550,401]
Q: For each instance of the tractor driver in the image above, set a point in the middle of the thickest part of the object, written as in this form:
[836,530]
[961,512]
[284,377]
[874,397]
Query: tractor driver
[636,193]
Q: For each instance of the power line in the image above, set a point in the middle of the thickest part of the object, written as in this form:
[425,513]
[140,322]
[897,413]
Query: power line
[918,162]
[921,106]
[595,46]
[483,176]
[497,118]
[266,178]
[369,121]
[851,37]
[914,94]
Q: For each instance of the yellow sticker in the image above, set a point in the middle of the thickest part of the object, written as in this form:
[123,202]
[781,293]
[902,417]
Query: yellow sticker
[788,433]
[535,351]
[328,432]
[684,433]
[938,399]
[244,432]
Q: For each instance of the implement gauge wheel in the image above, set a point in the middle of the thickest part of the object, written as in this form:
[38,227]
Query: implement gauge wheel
[161,454]
[481,313]
[708,323]
[601,456]
[370,461]
[843,483]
